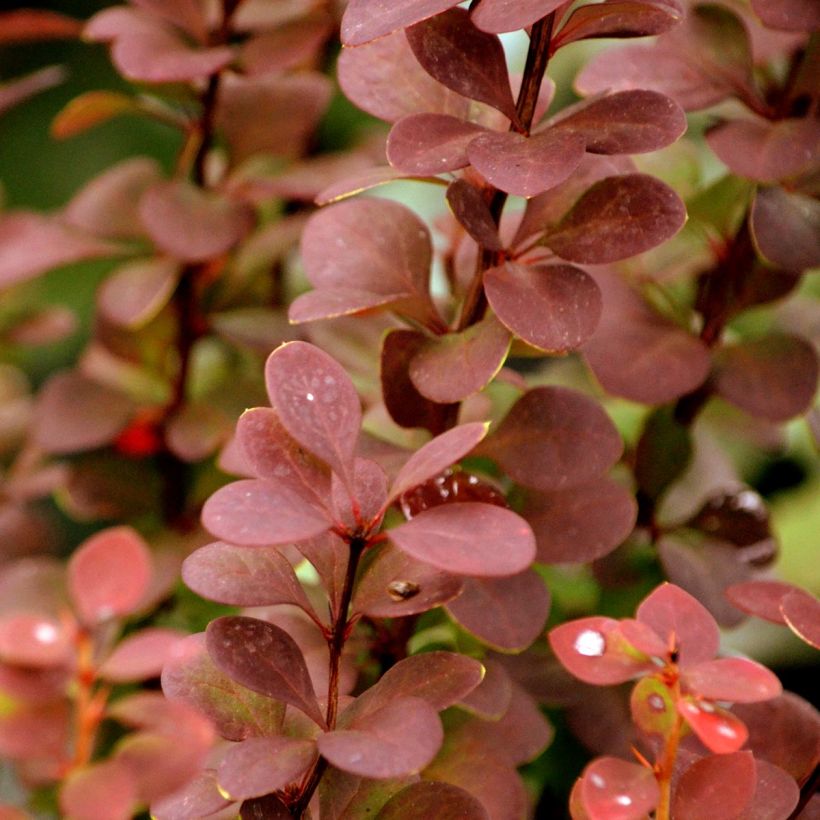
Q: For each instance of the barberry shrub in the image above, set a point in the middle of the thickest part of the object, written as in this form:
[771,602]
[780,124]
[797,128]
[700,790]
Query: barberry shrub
[472,450]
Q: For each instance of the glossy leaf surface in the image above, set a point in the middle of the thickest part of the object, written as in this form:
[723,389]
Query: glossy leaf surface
[733,679]
[33,641]
[720,731]
[802,613]
[426,799]
[466,539]
[264,658]
[618,790]
[717,785]
[760,598]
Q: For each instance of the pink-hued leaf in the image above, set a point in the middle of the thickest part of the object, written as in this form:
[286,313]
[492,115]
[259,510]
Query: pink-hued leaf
[199,798]
[671,611]
[786,228]
[27,25]
[732,679]
[652,706]
[108,204]
[20,89]
[36,731]
[619,18]
[34,641]
[720,731]
[162,56]
[470,208]
[365,20]
[627,122]
[385,79]
[765,151]
[593,650]
[191,224]
[109,574]
[774,377]
[715,786]
[500,16]
[554,438]
[289,46]
[398,739]
[395,585]
[554,307]
[255,513]
[426,799]
[316,403]
[788,15]
[430,143]
[31,244]
[264,658]
[490,700]
[99,791]
[581,524]
[330,303]
[616,218]
[75,413]
[243,576]
[468,539]
[378,247]
[507,614]
[760,598]
[776,794]
[451,367]
[237,713]
[261,765]
[367,498]
[526,166]
[801,612]
[437,455]
[196,431]
[469,61]
[141,655]
[185,14]
[618,790]
[136,292]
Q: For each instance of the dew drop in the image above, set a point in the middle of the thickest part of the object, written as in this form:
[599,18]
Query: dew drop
[656,703]
[310,397]
[597,780]
[590,643]
[45,633]
[726,731]
[623,800]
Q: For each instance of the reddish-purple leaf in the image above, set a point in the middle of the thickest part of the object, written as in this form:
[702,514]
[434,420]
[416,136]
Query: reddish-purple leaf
[329,303]
[581,524]
[616,218]
[374,246]
[500,16]
[732,679]
[365,502]
[469,61]
[491,699]
[199,798]
[191,224]
[619,18]
[243,576]
[618,790]
[672,612]
[801,612]
[395,585]
[788,15]
[470,208]
[316,403]
[453,366]
[399,739]
[437,455]
[99,791]
[553,307]
[141,655]
[715,786]
[109,574]
[261,765]
[255,513]
[237,713]
[264,658]
[526,166]
[385,79]
[766,151]
[554,438]
[776,794]
[365,20]
[430,143]
[507,614]
[426,799]
[720,731]
[31,244]
[774,377]
[468,539]
[136,292]
[760,598]
[34,641]
[627,122]
[447,487]
[786,228]
[593,650]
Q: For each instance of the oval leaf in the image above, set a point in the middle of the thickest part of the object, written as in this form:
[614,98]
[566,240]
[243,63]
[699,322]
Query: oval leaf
[470,208]
[716,786]
[141,655]
[425,799]
[733,679]
[802,613]
[87,788]
[34,641]
[618,790]
[366,20]
[500,16]
[430,143]
[786,228]
[136,292]
[720,731]
[760,598]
